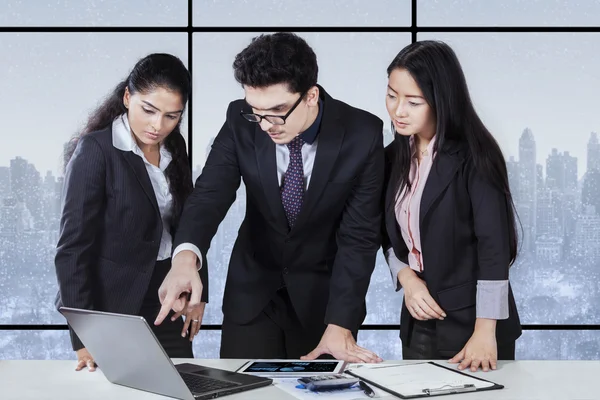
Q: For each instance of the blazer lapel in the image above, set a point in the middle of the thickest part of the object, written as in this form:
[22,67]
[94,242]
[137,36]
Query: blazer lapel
[139,169]
[329,142]
[442,171]
[391,223]
[266,160]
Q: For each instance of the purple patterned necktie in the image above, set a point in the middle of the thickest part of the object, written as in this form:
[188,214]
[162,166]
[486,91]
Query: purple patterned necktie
[292,189]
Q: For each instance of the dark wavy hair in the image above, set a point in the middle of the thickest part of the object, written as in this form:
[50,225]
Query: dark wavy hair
[439,75]
[277,58]
[154,71]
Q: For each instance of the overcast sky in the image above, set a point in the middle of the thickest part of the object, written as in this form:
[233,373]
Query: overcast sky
[548,82]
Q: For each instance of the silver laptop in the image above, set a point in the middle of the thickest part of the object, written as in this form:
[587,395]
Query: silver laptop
[129,354]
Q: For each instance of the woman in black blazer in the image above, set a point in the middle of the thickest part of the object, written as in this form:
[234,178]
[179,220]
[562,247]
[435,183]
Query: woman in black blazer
[449,231]
[127,177]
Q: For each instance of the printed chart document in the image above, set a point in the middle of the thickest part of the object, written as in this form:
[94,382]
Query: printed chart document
[421,380]
[354,393]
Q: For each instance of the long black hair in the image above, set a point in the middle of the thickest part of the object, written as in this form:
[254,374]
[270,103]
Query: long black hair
[438,73]
[154,71]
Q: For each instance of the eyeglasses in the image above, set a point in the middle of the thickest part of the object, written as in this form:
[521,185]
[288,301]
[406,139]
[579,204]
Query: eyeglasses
[273,119]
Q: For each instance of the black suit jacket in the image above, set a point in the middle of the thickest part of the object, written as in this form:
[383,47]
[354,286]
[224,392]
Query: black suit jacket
[110,229]
[327,259]
[464,238]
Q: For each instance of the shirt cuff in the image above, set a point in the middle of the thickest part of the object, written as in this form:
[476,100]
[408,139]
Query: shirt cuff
[492,299]
[395,266]
[191,247]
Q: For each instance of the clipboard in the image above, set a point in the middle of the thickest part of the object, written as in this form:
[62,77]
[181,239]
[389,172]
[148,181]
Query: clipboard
[428,380]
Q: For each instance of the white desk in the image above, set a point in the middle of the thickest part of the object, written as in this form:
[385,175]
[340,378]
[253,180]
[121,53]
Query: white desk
[530,380]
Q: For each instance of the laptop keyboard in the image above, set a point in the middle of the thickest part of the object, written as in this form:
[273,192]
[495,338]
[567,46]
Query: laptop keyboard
[202,384]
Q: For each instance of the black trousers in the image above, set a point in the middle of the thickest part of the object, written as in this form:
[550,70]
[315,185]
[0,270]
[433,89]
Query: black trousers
[168,333]
[423,345]
[275,333]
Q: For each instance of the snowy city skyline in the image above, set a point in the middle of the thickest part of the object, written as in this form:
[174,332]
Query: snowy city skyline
[536,92]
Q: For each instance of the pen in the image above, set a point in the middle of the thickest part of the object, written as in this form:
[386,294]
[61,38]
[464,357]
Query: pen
[368,391]
[451,389]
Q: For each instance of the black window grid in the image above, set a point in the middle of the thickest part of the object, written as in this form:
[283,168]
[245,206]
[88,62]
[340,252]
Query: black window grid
[414,29]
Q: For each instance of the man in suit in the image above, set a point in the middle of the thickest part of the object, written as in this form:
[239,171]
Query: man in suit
[313,169]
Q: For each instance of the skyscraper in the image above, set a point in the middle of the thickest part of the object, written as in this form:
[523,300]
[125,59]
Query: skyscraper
[26,186]
[593,152]
[561,182]
[547,223]
[587,236]
[527,188]
[590,195]
[4,183]
[561,171]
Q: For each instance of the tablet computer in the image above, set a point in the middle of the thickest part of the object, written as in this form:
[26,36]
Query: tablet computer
[292,368]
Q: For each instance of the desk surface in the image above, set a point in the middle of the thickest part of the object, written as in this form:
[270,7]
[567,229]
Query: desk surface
[529,380]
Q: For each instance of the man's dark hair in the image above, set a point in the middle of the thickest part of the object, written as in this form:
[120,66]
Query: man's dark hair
[277,58]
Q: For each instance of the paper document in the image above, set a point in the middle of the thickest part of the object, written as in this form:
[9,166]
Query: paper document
[412,379]
[353,393]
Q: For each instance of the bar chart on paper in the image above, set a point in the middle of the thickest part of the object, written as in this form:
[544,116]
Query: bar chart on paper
[354,393]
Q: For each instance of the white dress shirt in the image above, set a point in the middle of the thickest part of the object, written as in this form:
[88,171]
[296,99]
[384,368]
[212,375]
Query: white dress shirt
[123,139]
